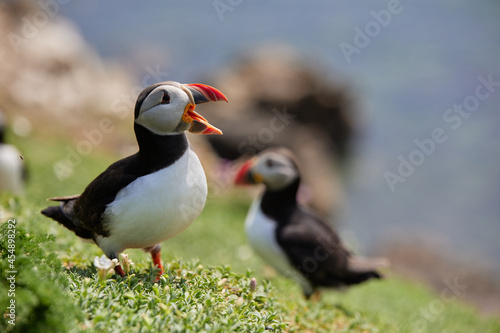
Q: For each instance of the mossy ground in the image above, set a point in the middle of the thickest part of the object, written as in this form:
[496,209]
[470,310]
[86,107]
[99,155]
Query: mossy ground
[57,288]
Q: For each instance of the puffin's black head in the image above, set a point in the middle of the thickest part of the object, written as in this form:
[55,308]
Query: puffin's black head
[167,108]
[276,168]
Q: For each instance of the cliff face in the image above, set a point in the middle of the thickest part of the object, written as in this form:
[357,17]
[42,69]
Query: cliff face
[48,71]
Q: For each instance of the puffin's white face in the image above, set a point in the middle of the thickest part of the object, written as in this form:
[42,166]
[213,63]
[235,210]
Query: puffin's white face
[274,170]
[163,109]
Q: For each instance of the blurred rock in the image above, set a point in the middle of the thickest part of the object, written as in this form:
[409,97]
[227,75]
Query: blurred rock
[47,71]
[51,80]
[278,98]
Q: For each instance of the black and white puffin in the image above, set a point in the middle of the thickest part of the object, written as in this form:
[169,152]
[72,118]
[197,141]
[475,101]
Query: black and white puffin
[151,196]
[290,237]
[12,168]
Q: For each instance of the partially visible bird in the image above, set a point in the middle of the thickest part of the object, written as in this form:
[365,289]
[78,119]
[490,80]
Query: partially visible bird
[292,238]
[155,194]
[12,168]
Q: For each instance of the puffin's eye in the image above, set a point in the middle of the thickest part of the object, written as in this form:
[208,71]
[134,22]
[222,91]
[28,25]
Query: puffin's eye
[269,163]
[165,99]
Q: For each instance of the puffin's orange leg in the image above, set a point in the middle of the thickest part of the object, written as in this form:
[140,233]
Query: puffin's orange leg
[155,254]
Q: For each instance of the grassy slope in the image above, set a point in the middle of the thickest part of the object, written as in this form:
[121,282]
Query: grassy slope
[216,239]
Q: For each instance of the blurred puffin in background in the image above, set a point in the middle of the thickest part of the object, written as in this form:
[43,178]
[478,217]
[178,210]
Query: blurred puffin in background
[12,168]
[290,237]
[155,194]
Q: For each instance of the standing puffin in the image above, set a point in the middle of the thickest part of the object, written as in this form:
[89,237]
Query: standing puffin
[153,195]
[290,237]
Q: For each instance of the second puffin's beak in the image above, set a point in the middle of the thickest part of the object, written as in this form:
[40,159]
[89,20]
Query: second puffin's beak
[246,176]
[200,93]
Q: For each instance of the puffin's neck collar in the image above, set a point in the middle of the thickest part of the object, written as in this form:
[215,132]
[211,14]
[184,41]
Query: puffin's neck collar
[160,148]
[278,204]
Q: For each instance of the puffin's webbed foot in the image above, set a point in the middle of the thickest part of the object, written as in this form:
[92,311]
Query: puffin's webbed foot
[314,295]
[119,270]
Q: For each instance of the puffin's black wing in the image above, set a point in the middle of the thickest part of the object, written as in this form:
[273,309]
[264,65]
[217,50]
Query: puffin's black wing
[91,204]
[86,211]
[82,214]
[317,252]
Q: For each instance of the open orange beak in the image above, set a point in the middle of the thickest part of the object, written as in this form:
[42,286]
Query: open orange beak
[245,176]
[198,94]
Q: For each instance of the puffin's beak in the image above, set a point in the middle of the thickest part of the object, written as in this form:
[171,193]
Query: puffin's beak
[245,176]
[202,93]
[198,94]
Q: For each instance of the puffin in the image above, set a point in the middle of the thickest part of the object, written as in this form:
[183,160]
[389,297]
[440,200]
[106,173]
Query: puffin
[12,168]
[290,237]
[154,194]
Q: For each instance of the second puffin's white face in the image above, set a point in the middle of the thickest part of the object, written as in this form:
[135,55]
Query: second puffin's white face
[274,170]
[162,110]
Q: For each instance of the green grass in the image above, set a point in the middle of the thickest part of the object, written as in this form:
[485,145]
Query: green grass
[58,289]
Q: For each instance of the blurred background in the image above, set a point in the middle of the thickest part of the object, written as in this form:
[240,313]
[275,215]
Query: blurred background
[356,88]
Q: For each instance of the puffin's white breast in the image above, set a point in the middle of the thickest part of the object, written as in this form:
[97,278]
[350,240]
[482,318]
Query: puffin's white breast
[157,206]
[261,234]
[11,169]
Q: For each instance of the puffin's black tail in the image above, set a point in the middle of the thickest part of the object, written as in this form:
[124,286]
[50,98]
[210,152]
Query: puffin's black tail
[356,278]
[362,269]
[64,215]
